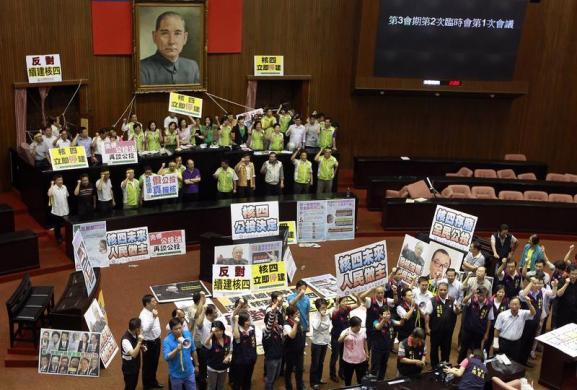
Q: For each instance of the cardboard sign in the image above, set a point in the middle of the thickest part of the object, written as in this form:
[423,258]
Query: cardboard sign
[185,105]
[179,291]
[325,285]
[128,245]
[254,219]
[82,261]
[230,280]
[44,68]
[361,269]
[97,322]
[167,243]
[411,263]
[94,235]
[453,228]
[269,276]
[69,352]
[266,65]
[292,231]
[160,186]
[120,152]
[69,157]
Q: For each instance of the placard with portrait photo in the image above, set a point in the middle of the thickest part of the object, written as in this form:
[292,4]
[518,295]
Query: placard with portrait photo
[169,46]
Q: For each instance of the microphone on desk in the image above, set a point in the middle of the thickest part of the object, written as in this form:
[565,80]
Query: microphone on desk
[432,188]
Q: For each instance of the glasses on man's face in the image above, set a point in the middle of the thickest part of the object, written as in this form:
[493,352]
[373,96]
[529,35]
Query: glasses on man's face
[438,263]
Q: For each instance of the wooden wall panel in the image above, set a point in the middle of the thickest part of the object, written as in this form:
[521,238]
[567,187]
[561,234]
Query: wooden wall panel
[318,37]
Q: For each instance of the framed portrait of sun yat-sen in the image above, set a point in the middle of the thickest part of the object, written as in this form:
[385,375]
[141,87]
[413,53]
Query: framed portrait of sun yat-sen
[169,46]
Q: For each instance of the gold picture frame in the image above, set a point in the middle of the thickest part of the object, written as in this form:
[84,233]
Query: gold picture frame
[170,46]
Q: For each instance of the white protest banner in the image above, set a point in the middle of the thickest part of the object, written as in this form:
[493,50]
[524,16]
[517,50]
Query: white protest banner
[69,352]
[44,68]
[81,261]
[453,228]
[564,339]
[340,219]
[311,220]
[160,186]
[325,285]
[230,280]
[128,245]
[411,263]
[290,265]
[96,322]
[254,219]
[94,235]
[167,243]
[120,152]
[362,268]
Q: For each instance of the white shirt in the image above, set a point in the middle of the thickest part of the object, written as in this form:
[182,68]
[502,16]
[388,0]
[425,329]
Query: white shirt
[49,141]
[169,119]
[40,150]
[423,300]
[511,327]
[59,200]
[99,145]
[150,325]
[127,349]
[203,331]
[548,296]
[62,143]
[321,326]
[296,135]
[105,194]
[475,261]
[272,172]
[454,290]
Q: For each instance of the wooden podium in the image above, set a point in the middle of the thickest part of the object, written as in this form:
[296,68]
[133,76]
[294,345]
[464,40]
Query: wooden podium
[559,360]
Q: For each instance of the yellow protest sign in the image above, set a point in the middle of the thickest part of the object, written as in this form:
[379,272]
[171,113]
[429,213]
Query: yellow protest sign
[268,276]
[292,231]
[185,105]
[69,157]
[268,65]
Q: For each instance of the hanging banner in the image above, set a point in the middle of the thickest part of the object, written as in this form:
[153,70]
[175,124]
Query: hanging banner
[255,219]
[361,269]
[94,235]
[69,157]
[167,243]
[120,152]
[325,285]
[96,321]
[268,65]
[411,263]
[292,231]
[230,280]
[81,261]
[160,186]
[44,68]
[179,291]
[185,105]
[128,245]
[340,220]
[268,276]
[453,228]
[69,352]
[311,217]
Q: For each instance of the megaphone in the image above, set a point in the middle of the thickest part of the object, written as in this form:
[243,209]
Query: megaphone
[185,342]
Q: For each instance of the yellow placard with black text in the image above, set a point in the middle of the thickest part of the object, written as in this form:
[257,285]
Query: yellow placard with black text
[268,65]
[69,157]
[268,276]
[185,105]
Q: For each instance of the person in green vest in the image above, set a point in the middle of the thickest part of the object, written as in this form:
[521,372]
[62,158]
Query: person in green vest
[303,172]
[328,165]
[224,134]
[226,179]
[284,120]
[171,138]
[327,135]
[130,190]
[268,120]
[138,137]
[207,131]
[129,127]
[256,137]
[152,137]
[276,140]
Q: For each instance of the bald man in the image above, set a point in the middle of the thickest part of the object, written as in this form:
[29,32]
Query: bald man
[166,66]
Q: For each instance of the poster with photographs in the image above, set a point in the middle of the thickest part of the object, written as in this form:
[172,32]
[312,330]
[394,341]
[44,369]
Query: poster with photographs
[81,260]
[439,259]
[178,291]
[265,252]
[411,263]
[94,235]
[311,217]
[325,285]
[68,352]
[97,322]
[340,219]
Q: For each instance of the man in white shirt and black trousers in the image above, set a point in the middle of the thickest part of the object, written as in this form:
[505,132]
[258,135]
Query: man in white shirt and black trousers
[151,334]
[509,328]
[131,345]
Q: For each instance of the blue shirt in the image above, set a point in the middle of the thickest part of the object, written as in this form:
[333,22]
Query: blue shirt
[87,144]
[303,305]
[175,366]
